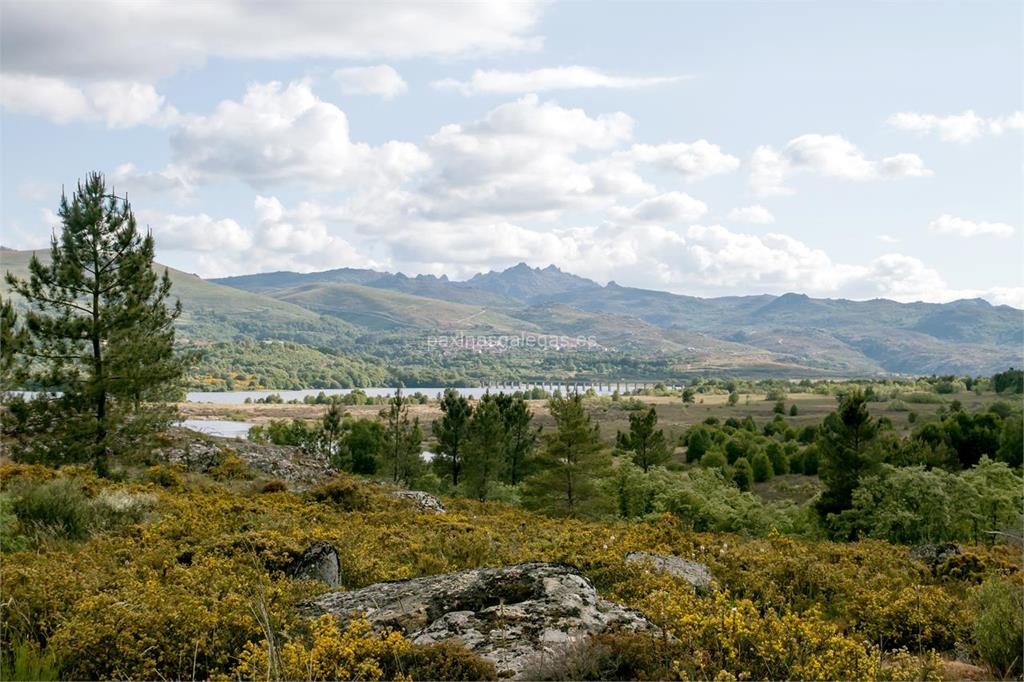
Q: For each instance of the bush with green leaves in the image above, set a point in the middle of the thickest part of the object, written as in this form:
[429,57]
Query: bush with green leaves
[998,628]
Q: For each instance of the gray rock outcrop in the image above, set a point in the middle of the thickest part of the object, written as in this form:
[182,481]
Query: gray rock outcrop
[695,573]
[933,555]
[507,615]
[203,453]
[319,562]
[424,502]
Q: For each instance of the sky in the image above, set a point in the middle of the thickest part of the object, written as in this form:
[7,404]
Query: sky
[843,150]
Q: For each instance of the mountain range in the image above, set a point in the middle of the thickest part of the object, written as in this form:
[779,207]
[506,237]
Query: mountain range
[831,335]
[353,309]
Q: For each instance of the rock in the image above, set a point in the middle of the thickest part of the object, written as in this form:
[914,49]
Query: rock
[202,453]
[425,502]
[319,562]
[696,574]
[506,615]
[933,555]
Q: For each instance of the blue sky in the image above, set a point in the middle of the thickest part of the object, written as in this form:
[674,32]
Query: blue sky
[838,149]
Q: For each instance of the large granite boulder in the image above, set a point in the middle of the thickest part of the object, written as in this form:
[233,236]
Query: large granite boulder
[424,502]
[695,573]
[507,615]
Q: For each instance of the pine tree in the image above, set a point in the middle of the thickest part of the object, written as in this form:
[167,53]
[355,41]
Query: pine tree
[101,334]
[450,431]
[484,448]
[571,462]
[520,436]
[401,445]
[647,446]
[844,446]
[331,442]
[13,340]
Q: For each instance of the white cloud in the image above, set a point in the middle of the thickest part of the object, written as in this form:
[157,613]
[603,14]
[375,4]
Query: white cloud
[957,128]
[199,233]
[521,158]
[960,128]
[1015,121]
[147,40]
[673,208]
[171,180]
[283,133]
[543,80]
[826,155]
[947,224]
[829,155]
[117,104]
[695,161]
[888,239]
[768,171]
[752,214]
[381,80]
[905,166]
[278,239]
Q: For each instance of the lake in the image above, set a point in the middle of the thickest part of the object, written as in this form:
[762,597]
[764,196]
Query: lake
[218,427]
[238,397]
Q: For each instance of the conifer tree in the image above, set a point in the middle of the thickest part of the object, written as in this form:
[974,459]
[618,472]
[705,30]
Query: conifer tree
[646,446]
[571,463]
[484,448]
[520,436]
[401,445]
[101,337]
[844,444]
[451,432]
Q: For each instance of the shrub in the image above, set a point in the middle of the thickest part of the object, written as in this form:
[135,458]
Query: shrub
[56,507]
[762,467]
[274,485]
[230,468]
[713,459]
[794,410]
[742,474]
[117,507]
[445,661]
[998,627]
[163,475]
[10,539]
[345,492]
[353,653]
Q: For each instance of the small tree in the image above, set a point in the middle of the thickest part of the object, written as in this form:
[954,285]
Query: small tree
[450,431]
[761,466]
[734,398]
[402,442]
[572,462]
[331,442]
[742,474]
[520,436]
[688,394]
[794,410]
[101,337]
[779,407]
[364,442]
[844,442]
[646,446]
[484,449]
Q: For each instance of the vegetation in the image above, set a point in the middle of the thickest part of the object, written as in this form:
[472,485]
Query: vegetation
[100,337]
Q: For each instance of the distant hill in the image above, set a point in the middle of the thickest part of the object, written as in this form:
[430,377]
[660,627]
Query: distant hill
[213,312]
[365,313]
[831,335]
